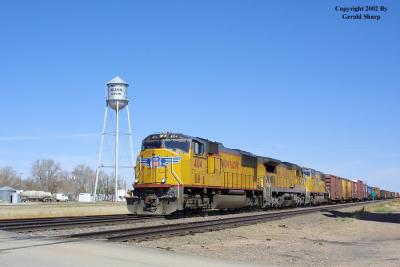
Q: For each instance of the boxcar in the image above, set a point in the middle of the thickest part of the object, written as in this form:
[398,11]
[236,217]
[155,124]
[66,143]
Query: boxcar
[385,194]
[377,191]
[382,194]
[354,195]
[346,186]
[365,192]
[369,192]
[360,190]
[334,187]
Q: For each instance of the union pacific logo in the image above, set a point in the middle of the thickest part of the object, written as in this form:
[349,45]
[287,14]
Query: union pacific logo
[159,162]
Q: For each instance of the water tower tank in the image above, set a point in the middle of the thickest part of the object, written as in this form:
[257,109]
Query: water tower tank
[117,93]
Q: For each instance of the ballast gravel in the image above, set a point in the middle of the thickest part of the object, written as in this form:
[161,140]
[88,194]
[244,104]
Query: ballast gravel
[318,239]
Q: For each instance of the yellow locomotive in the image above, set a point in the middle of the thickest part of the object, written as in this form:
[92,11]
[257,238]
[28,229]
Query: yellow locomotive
[315,186]
[177,172]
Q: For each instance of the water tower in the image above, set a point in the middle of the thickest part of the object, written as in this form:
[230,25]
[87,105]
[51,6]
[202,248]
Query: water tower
[116,102]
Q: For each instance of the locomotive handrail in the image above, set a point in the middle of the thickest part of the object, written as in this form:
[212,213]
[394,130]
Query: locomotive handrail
[140,167]
[177,179]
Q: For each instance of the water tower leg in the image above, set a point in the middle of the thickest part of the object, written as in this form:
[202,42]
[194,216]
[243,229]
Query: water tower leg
[116,153]
[130,136]
[100,154]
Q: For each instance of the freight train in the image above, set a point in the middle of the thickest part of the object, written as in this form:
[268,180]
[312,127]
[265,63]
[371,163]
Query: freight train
[177,173]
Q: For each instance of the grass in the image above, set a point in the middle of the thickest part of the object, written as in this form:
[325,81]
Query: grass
[388,207]
[346,219]
[40,210]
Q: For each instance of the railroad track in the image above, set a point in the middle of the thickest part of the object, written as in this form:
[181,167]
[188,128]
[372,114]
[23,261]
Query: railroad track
[159,231]
[25,225]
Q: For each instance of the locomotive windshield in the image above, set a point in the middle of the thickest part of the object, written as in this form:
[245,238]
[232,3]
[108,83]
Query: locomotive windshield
[181,145]
[151,145]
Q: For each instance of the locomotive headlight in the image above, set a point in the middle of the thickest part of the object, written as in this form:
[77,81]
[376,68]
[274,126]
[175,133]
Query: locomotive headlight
[136,181]
[163,180]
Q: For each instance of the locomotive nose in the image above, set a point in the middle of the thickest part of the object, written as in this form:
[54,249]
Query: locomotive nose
[156,166]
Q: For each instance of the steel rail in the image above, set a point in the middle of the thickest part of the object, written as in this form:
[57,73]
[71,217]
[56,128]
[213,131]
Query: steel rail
[61,218]
[32,225]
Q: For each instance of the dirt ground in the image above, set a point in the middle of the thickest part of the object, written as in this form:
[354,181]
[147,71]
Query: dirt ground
[347,237]
[42,210]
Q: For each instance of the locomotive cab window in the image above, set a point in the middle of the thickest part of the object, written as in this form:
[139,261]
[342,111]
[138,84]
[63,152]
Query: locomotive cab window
[270,168]
[198,148]
[181,145]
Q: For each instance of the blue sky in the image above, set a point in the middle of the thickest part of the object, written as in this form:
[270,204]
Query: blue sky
[285,79]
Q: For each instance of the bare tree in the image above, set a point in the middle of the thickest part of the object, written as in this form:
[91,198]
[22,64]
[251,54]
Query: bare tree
[105,184]
[30,184]
[84,178]
[8,176]
[47,173]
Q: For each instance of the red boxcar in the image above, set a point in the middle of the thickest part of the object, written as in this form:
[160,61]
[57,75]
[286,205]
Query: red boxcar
[334,187]
[361,192]
[365,192]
